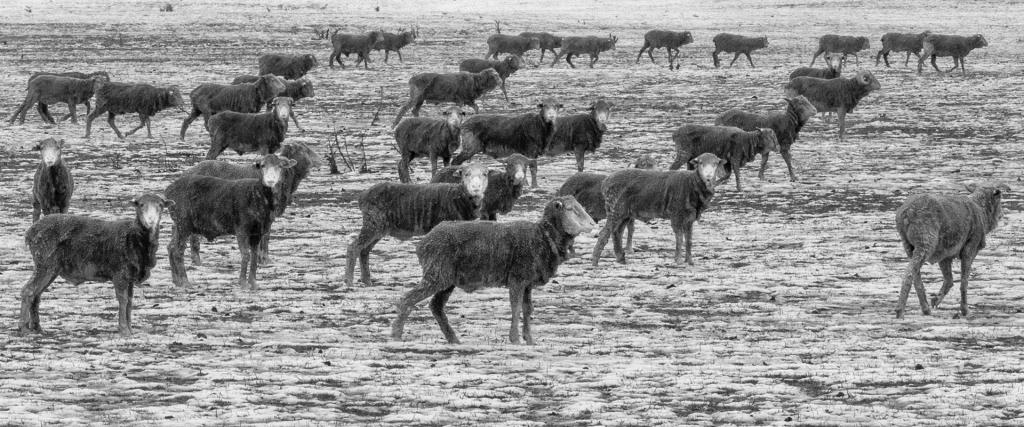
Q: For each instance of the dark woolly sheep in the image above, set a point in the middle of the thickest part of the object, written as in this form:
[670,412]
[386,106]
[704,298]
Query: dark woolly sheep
[590,45]
[461,88]
[294,89]
[732,144]
[499,136]
[829,72]
[247,133]
[580,133]
[846,45]
[420,136]
[786,125]
[939,228]
[733,43]
[680,196]
[359,44]
[518,255]
[514,45]
[407,210]
[395,43]
[211,98]
[287,66]
[48,89]
[103,75]
[958,47]
[82,249]
[305,159]
[547,41]
[503,187]
[505,68]
[53,185]
[670,40]
[840,95]
[126,98]
[901,42]
[213,207]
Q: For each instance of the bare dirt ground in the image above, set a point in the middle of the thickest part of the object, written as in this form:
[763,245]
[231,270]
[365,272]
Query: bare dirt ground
[787,317]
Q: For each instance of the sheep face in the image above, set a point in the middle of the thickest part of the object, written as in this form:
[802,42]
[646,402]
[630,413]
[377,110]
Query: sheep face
[376,37]
[763,41]
[283,107]
[272,168]
[274,84]
[864,44]
[549,110]
[645,161]
[514,62]
[515,166]
[710,168]
[611,41]
[602,111]
[474,179]
[978,40]
[574,218]
[491,78]
[306,88]
[865,78]
[50,151]
[175,99]
[149,208]
[687,37]
[310,61]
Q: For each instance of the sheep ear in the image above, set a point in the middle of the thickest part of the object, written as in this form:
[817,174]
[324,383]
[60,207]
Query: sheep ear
[289,163]
[971,187]
[37,147]
[559,205]
[457,173]
[258,164]
[135,201]
[167,203]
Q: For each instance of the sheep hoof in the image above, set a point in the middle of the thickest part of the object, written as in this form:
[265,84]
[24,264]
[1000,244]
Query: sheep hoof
[25,330]
[926,312]
[125,332]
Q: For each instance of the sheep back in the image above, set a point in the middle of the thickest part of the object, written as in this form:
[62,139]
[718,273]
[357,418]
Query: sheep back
[409,210]
[649,194]
[88,249]
[946,224]
[141,98]
[212,207]
[527,134]
[286,66]
[454,87]
[586,188]
[51,89]
[576,131]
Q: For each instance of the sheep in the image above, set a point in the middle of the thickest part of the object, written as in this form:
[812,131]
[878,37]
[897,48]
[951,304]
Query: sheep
[461,88]
[958,47]
[840,95]
[505,68]
[359,44]
[247,132]
[395,42]
[518,255]
[213,207]
[212,98]
[901,42]
[105,76]
[734,43]
[82,249]
[670,40]
[50,89]
[406,210]
[514,45]
[139,98]
[547,41]
[830,72]
[305,159]
[939,228]
[580,133]
[846,45]
[786,125]
[590,45]
[420,136]
[503,187]
[528,134]
[735,146]
[294,89]
[52,186]
[680,196]
[287,66]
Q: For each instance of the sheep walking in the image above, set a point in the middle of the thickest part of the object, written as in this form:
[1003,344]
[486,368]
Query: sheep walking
[786,125]
[845,45]
[939,228]
[52,186]
[421,136]
[735,146]
[513,45]
[287,66]
[247,133]
[359,44]
[295,89]
[505,68]
[101,75]
[406,210]
[212,98]
[49,89]
[680,196]
[935,45]
[840,95]
[82,249]
[590,45]
[580,133]
[516,255]
[901,42]
[461,88]
[503,187]
[740,45]
[395,43]
[127,98]
[670,40]
[547,41]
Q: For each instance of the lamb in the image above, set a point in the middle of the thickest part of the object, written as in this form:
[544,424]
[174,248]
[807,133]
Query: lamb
[733,43]
[505,68]
[211,98]
[939,228]
[590,45]
[901,42]
[528,134]
[395,42]
[830,72]
[103,75]
[53,185]
[786,125]
[670,40]
[580,133]
[958,47]
[49,89]
[287,66]
[846,45]
[503,187]
[518,255]
[461,88]
[514,45]
[139,98]
[735,146]
[406,210]
[547,41]
[82,249]
[419,136]
[246,132]
[294,89]
[840,95]
[359,44]
[680,196]
[213,207]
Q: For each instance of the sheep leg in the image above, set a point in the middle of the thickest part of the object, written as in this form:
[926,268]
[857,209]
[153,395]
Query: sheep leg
[110,121]
[30,295]
[620,254]
[907,61]
[841,114]
[20,111]
[215,150]
[965,272]
[533,173]
[142,122]
[687,228]
[291,113]
[963,70]
[751,61]
[946,266]
[417,102]
[714,58]
[630,224]
[44,112]
[36,210]
[71,112]
[638,55]
[527,314]
[568,59]
[194,245]
[681,158]
[910,278]
[934,65]
[736,171]
[956,63]
[580,151]
[403,168]
[503,91]
[408,301]
[263,254]
[593,60]
[386,53]
[364,262]
[764,165]
[188,120]
[124,304]
[359,250]
[176,257]
[515,297]
[734,58]
[399,56]
[149,129]
[437,309]
[433,165]
[816,54]
[789,164]
[244,248]
[878,58]
[557,57]
[602,238]
[100,109]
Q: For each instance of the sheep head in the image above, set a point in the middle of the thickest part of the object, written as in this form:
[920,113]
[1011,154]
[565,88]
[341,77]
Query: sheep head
[149,208]
[272,169]
[645,161]
[612,40]
[310,61]
[305,87]
[769,141]
[174,98]
[515,166]
[271,84]
[601,111]
[514,63]
[548,110]
[283,107]
[989,196]
[474,179]
[50,151]
[298,150]
[491,79]
[865,78]
[687,37]
[710,169]
[454,116]
[978,40]
[864,43]
[376,37]
[763,40]
[567,212]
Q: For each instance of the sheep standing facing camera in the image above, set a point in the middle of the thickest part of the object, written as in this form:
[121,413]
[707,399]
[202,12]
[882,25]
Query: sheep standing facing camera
[52,185]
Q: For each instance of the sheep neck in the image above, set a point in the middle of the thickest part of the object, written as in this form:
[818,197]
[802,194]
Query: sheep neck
[989,207]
